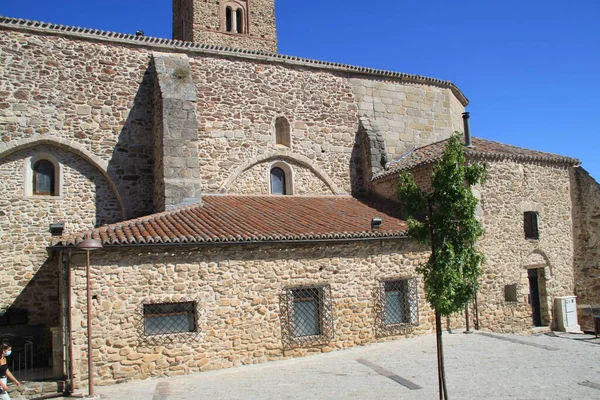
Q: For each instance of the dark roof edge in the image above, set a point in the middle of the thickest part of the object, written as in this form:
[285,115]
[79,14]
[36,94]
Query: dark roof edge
[238,243]
[178,45]
[473,154]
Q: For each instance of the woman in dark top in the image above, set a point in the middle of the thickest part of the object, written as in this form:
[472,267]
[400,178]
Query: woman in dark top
[5,373]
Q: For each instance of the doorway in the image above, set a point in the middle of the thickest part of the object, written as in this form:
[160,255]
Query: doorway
[534,296]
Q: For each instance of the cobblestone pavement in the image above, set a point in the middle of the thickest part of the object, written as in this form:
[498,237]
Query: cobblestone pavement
[479,366]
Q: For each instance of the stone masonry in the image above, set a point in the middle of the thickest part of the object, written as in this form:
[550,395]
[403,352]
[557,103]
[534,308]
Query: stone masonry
[511,189]
[139,125]
[203,21]
[585,194]
[237,290]
[176,164]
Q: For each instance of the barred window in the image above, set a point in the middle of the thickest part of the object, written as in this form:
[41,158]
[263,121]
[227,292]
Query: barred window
[307,305]
[400,302]
[167,318]
[530,221]
[306,315]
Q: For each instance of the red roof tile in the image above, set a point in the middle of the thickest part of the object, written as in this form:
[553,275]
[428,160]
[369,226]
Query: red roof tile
[482,148]
[234,219]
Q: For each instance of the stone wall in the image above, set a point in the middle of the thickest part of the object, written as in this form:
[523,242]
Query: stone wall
[512,189]
[206,24]
[238,292]
[255,181]
[405,114]
[95,94]
[585,194]
[86,200]
[239,101]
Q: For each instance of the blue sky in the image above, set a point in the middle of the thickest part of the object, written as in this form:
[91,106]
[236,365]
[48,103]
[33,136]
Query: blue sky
[530,68]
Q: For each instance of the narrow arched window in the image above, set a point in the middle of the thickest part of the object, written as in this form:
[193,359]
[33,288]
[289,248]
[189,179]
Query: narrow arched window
[43,178]
[282,131]
[228,19]
[240,20]
[277,181]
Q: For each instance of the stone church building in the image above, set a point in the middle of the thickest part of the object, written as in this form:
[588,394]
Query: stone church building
[245,201]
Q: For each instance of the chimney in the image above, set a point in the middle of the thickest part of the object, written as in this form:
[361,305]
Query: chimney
[465,116]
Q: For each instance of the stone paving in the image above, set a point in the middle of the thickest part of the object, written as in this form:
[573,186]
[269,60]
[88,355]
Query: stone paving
[479,366]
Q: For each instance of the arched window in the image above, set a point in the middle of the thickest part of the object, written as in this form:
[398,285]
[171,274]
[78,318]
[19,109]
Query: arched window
[282,131]
[240,20]
[277,181]
[43,178]
[233,16]
[228,19]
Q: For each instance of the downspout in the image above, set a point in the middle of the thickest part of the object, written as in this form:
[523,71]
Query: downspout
[467,126]
[70,369]
[469,144]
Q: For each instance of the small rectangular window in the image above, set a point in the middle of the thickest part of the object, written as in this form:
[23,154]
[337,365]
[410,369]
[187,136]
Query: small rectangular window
[306,315]
[168,318]
[510,293]
[307,304]
[400,302]
[531,225]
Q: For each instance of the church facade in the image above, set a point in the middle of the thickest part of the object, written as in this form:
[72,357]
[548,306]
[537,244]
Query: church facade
[245,200]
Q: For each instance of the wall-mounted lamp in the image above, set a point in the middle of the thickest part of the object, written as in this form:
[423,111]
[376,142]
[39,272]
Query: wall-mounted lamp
[375,223]
[57,228]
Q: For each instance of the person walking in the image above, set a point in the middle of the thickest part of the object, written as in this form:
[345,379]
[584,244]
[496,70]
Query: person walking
[5,374]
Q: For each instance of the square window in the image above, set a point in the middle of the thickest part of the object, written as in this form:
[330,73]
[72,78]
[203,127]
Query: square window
[306,314]
[169,318]
[531,225]
[399,305]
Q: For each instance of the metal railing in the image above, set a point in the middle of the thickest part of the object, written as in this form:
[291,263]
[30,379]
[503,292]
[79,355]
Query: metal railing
[28,361]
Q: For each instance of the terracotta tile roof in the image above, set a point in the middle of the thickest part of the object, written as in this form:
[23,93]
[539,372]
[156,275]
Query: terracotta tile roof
[235,219]
[482,149]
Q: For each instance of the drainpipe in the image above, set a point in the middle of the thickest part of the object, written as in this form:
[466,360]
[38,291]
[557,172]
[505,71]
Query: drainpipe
[465,116]
[70,372]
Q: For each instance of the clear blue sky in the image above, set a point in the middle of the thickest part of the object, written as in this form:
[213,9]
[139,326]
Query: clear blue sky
[530,68]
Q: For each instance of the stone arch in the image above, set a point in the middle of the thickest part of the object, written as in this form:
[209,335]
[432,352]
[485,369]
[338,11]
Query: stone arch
[538,258]
[75,148]
[531,206]
[302,160]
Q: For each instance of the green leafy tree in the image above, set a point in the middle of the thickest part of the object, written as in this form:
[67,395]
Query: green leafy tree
[451,229]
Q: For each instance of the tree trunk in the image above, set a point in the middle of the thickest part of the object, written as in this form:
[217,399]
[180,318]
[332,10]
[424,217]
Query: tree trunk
[440,357]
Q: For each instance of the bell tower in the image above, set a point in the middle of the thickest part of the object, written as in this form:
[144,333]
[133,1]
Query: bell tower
[240,24]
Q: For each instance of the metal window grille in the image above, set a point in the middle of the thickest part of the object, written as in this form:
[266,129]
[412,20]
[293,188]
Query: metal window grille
[307,316]
[398,306]
[169,318]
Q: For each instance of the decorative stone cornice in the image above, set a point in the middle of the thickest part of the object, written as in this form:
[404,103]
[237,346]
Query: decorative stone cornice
[169,45]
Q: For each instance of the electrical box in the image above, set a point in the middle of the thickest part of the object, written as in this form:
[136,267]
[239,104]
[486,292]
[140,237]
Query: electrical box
[565,310]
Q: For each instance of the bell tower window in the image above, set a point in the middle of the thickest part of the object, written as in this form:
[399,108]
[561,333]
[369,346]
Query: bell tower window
[228,20]
[235,17]
[240,20]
